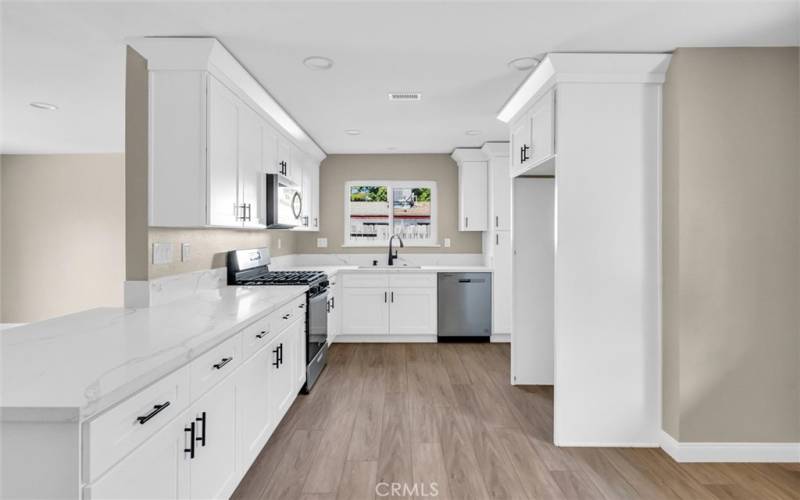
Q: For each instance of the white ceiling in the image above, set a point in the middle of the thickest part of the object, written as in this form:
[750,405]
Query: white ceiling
[455,53]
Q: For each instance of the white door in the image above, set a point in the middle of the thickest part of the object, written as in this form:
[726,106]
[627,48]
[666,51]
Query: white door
[282,376]
[223,146]
[501,194]
[520,144]
[532,334]
[542,132]
[473,196]
[365,311]
[501,283]
[252,402]
[212,472]
[412,311]
[252,180]
[157,470]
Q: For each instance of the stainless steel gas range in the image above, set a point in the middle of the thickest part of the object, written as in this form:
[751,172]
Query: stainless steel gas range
[251,268]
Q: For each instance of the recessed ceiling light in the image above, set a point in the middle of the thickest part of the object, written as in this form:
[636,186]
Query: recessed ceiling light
[44,105]
[352,131]
[318,63]
[524,63]
[473,132]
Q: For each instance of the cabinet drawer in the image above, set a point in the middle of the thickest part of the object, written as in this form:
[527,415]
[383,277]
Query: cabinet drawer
[365,280]
[115,433]
[256,336]
[213,366]
[289,313]
[415,280]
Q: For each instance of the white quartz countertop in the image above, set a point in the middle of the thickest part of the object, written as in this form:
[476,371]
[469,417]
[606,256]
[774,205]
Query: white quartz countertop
[333,270]
[83,363]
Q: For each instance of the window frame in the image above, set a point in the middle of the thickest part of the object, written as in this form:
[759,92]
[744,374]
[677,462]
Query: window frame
[433,241]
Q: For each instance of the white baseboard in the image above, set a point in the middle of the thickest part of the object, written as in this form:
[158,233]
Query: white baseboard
[730,452]
[500,337]
[349,339]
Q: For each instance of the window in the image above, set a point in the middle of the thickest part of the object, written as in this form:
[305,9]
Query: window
[375,210]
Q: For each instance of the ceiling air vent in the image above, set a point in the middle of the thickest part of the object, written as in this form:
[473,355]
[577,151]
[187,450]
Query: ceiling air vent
[405,96]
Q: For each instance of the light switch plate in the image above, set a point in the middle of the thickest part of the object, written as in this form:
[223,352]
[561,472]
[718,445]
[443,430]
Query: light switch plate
[447,242]
[322,242]
[162,253]
[186,251]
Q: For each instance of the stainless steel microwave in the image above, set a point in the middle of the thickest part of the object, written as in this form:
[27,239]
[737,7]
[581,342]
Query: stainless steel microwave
[284,202]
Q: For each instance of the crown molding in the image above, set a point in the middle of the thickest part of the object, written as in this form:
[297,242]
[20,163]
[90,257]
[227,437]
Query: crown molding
[461,155]
[585,68]
[497,149]
[207,54]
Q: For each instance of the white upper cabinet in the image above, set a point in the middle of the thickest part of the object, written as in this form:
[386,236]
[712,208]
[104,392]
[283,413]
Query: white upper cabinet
[223,147]
[533,139]
[472,196]
[314,170]
[213,132]
[252,182]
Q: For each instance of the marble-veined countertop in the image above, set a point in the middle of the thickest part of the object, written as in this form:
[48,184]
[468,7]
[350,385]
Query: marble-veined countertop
[76,366]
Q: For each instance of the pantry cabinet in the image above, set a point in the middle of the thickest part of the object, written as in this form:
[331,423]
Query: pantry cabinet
[502,283]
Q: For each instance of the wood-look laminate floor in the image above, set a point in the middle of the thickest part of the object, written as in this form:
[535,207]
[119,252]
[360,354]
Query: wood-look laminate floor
[417,414]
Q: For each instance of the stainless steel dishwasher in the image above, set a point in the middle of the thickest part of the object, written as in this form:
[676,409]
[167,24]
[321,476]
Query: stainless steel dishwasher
[465,306]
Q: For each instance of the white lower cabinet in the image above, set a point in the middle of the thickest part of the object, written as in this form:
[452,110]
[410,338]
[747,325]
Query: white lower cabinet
[156,470]
[255,420]
[501,283]
[205,449]
[413,311]
[406,305]
[212,470]
[365,311]
[334,316]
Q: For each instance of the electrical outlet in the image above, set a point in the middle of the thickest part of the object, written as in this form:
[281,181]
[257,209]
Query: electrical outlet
[447,242]
[162,253]
[186,250]
[322,242]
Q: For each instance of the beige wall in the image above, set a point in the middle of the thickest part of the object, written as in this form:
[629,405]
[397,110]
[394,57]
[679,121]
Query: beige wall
[208,246]
[731,229]
[62,234]
[336,170]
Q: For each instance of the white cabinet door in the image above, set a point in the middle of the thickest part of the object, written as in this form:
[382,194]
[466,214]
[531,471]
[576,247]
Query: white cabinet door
[334,325]
[365,311]
[223,146]
[295,164]
[157,470]
[299,363]
[284,157]
[520,144]
[269,149]
[252,182]
[472,196]
[313,168]
[501,194]
[254,418]
[412,311]
[212,472]
[501,283]
[301,165]
[542,129]
[282,377]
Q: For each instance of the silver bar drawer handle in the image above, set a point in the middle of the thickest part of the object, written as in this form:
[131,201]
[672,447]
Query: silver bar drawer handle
[156,410]
[223,362]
